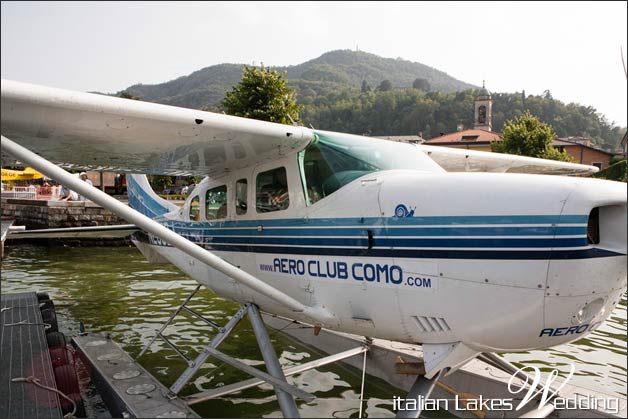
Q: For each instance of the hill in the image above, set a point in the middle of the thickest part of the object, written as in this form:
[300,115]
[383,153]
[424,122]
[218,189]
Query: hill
[330,72]
[330,88]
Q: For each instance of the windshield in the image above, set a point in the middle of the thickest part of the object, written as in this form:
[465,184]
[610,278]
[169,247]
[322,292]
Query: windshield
[333,160]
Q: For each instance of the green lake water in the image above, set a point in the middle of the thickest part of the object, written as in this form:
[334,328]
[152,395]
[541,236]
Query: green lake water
[116,290]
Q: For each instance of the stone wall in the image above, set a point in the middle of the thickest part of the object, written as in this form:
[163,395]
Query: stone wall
[38,214]
[35,214]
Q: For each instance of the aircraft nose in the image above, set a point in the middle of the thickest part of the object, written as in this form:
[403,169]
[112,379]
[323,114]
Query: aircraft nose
[585,283]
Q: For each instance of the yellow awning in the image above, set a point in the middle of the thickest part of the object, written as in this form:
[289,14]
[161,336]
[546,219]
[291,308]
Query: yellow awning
[26,174]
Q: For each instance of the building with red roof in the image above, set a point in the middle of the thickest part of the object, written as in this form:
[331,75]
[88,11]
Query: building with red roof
[481,136]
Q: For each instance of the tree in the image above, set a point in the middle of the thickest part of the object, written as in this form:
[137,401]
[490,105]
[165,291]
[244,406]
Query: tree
[262,94]
[161,182]
[616,171]
[421,84]
[527,136]
[125,94]
[385,86]
[365,87]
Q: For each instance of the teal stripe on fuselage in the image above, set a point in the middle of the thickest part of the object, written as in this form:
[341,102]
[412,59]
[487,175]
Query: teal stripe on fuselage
[506,232]
[389,232]
[542,220]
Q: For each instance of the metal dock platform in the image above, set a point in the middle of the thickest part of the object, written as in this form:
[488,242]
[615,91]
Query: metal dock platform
[127,388]
[24,354]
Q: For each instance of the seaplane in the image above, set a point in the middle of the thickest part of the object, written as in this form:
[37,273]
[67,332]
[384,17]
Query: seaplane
[463,252]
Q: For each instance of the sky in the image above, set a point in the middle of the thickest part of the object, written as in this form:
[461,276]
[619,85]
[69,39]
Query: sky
[572,49]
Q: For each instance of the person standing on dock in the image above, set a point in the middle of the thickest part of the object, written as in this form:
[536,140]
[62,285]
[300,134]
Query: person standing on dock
[84,177]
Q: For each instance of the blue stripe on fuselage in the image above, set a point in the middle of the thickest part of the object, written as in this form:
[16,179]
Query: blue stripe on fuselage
[410,237]
[390,232]
[394,243]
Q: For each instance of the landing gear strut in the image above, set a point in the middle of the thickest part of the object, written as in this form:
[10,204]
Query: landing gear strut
[275,376]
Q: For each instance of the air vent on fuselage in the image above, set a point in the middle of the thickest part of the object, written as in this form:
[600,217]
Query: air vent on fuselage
[431,324]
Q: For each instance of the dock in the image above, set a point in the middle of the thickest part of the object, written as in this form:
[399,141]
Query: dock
[126,387]
[24,354]
[60,221]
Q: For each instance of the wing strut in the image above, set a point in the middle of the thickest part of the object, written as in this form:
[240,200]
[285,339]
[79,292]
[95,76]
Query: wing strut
[318,314]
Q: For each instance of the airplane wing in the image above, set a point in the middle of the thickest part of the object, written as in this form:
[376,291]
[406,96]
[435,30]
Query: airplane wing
[93,131]
[461,160]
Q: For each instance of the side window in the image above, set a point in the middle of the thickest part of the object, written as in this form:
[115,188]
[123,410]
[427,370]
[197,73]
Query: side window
[195,209]
[241,193]
[271,189]
[216,203]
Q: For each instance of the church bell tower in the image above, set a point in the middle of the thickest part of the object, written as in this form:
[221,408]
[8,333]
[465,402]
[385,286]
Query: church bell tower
[483,110]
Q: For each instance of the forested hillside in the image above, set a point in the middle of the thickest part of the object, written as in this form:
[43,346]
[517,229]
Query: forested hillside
[330,72]
[362,93]
[411,111]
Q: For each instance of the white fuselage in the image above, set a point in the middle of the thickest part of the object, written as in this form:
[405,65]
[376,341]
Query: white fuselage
[499,262]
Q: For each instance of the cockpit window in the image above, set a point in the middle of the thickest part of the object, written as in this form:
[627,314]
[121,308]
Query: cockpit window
[195,209]
[326,168]
[332,161]
[216,203]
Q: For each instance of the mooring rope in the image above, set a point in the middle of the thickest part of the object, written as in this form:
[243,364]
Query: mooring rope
[47,326]
[35,380]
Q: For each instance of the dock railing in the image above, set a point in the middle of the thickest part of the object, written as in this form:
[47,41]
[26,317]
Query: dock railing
[19,192]
[30,192]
